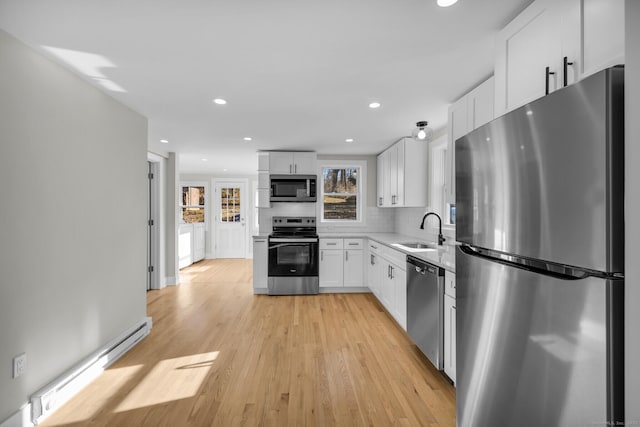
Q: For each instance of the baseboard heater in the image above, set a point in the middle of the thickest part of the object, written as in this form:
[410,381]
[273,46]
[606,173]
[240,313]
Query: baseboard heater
[56,393]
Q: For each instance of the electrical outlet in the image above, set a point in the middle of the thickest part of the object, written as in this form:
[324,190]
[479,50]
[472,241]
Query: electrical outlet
[19,365]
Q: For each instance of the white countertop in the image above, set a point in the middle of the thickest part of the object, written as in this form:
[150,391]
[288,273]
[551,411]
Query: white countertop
[444,256]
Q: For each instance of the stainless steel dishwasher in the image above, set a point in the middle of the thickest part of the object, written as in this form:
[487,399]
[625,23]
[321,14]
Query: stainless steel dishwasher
[425,317]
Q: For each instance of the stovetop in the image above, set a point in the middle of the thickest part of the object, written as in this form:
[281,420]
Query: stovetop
[300,226]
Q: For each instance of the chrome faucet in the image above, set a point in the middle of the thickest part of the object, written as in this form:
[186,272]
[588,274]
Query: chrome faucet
[441,238]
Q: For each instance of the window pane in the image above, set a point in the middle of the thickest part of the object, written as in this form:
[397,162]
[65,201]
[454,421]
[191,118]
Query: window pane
[341,207]
[192,196]
[193,214]
[230,205]
[344,180]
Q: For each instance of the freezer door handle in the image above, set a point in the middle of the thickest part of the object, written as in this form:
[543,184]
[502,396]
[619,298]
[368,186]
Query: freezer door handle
[557,271]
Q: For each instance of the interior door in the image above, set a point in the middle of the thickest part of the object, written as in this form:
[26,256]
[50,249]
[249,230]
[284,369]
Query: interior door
[230,219]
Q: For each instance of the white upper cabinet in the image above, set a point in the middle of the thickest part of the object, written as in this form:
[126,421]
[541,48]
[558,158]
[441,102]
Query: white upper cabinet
[554,43]
[466,114]
[402,174]
[289,163]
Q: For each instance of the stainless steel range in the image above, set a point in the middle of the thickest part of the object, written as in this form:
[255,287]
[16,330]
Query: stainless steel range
[293,256]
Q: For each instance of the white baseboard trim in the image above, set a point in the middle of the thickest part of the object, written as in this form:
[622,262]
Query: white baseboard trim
[172,281]
[22,418]
[346,290]
[46,400]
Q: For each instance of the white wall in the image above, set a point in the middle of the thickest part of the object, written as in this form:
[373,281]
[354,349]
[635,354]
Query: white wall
[171,198]
[72,231]
[632,212]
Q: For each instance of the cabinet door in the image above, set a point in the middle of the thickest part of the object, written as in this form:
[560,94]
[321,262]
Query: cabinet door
[185,245]
[374,274]
[353,267]
[603,34]
[480,105]
[393,175]
[399,279]
[456,127]
[304,163]
[260,266]
[198,242]
[380,175]
[450,337]
[280,163]
[331,268]
[400,171]
[414,173]
[387,294]
[524,48]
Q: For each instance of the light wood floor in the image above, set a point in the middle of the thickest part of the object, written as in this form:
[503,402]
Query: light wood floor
[219,355]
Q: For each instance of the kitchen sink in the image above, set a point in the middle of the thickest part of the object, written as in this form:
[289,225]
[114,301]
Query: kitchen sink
[416,246]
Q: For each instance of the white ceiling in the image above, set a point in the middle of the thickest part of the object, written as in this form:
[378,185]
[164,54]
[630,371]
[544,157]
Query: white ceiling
[297,74]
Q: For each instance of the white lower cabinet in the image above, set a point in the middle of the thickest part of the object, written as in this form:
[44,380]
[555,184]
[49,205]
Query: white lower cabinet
[341,263]
[374,268]
[450,325]
[387,267]
[260,264]
[191,243]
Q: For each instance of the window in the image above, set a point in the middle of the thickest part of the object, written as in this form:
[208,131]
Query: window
[342,192]
[192,204]
[230,204]
[437,181]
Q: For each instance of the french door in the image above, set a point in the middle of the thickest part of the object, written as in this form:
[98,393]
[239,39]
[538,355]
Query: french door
[230,218]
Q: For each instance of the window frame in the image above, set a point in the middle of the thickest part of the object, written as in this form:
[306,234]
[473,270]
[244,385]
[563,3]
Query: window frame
[206,200]
[438,173]
[361,195]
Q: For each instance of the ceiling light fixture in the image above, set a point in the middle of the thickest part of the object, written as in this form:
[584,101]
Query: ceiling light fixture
[164,141]
[205,160]
[247,138]
[374,105]
[348,140]
[220,101]
[422,132]
[446,3]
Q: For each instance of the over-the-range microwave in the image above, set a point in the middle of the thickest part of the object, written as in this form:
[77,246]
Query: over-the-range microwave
[293,188]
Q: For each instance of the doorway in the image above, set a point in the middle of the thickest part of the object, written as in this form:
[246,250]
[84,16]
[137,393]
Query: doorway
[230,218]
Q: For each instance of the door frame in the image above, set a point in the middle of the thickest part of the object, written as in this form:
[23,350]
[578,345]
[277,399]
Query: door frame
[244,200]
[155,241]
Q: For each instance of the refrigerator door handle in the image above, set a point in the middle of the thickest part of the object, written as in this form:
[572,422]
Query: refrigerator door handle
[557,271]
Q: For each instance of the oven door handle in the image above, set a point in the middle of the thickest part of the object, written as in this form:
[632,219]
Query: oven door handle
[295,240]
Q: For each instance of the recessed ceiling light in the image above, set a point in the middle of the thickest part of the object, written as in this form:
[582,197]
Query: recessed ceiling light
[446,3]
[224,170]
[247,138]
[205,160]
[374,105]
[220,101]
[164,141]
[348,140]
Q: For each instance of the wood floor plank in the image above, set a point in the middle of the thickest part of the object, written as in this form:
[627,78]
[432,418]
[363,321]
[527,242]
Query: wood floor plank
[220,356]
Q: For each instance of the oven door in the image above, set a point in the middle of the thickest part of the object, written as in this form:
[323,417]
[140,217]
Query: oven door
[293,256]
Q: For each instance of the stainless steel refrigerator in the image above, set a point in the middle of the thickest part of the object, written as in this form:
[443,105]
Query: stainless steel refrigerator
[540,268]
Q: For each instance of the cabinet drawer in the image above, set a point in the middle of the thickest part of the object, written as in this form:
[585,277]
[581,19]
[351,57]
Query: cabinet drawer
[353,244]
[331,244]
[375,247]
[450,283]
[395,257]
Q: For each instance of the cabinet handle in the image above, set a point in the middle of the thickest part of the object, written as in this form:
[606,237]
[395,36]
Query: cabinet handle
[321,255]
[331,244]
[290,168]
[389,271]
[380,200]
[391,276]
[373,261]
[346,255]
[565,66]
[546,80]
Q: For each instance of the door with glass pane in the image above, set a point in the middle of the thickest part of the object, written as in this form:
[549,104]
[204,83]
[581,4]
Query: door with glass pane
[230,219]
